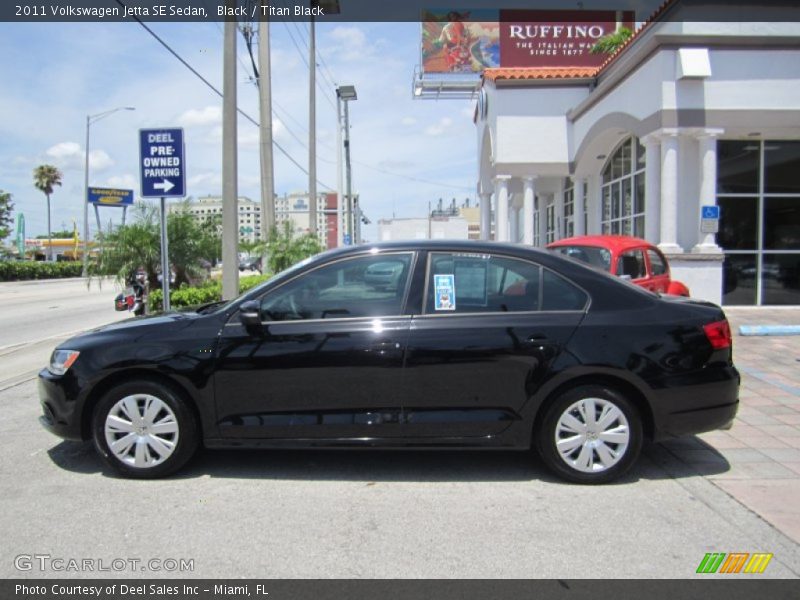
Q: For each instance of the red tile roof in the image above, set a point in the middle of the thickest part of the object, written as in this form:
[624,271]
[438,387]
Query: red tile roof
[539,73]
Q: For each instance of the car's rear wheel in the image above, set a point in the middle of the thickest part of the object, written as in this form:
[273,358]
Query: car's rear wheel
[590,434]
[143,429]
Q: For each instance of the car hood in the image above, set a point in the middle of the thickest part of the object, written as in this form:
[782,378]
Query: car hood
[132,330]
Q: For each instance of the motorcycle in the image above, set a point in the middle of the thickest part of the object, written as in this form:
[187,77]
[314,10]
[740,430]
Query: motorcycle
[133,298]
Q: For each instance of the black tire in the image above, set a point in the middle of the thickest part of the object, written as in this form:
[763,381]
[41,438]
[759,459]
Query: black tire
[187,431]
[624,454]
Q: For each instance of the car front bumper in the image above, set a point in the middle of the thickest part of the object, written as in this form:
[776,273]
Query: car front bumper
[59,398]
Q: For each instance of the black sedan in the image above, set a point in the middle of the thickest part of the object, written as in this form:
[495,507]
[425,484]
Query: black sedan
[472,345]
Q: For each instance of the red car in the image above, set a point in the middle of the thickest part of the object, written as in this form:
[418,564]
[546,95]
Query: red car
[630,257]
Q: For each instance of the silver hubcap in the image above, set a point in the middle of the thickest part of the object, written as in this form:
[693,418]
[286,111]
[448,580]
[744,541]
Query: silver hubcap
[141,431]
[592,435]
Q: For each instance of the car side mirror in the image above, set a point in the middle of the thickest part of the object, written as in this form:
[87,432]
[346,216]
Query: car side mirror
[250,316]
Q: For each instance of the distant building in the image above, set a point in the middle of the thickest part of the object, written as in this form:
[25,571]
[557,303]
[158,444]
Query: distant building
[293,208]
[209,207]
[436,228]
[450,222]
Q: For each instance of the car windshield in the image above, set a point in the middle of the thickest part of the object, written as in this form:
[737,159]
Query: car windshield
[591,255]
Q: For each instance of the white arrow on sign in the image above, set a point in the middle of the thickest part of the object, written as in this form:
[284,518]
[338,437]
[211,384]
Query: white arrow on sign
[165,185]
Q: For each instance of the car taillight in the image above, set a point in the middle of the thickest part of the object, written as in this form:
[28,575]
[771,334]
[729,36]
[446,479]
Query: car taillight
[718,334]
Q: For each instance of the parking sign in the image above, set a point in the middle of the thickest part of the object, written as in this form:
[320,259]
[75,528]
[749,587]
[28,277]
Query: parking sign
[161,162]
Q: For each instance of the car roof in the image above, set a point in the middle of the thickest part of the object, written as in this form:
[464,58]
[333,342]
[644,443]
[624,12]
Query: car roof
[616,243]
[434,245]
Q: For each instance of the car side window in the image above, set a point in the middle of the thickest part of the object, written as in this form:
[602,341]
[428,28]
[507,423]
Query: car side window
[367,286]
[468,283]
[560,294]
[631,263]
[657,263]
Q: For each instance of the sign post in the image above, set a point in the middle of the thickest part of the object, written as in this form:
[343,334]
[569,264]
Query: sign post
[163,174]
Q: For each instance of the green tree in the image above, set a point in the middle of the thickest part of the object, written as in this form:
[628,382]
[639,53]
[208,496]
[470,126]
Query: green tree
[283,249]
[608,44]
[133,245]
[138,244]
[64,233]
[6,206]
[249,247]
[45,177]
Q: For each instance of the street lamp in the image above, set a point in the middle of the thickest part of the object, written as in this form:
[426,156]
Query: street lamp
[346,93]
[89,120]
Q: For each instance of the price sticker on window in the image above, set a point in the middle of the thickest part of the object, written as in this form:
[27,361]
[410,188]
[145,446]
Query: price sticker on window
[444,292]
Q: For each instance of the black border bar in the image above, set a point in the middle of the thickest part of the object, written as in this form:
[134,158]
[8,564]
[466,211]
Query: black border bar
[32,11]
[731,587]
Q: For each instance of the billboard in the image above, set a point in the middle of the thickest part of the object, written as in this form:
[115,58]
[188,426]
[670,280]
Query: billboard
[455,41]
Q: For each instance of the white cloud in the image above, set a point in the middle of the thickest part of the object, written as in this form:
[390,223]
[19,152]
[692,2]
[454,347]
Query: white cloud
[408,121]
[125,182]
[348,43]
[99,160]
[70,155]
[64,151]
[210,115]
[444,124]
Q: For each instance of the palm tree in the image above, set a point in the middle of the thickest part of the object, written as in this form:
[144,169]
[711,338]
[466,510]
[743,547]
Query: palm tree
[44,178]
[609,44]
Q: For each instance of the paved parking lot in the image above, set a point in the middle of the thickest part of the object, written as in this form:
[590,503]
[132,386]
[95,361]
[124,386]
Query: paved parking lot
[423,514]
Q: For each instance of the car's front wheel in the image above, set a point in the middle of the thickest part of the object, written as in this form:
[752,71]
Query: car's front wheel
[590,434]
[143,429]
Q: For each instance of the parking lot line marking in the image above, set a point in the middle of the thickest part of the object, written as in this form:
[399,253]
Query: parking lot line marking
[767,379]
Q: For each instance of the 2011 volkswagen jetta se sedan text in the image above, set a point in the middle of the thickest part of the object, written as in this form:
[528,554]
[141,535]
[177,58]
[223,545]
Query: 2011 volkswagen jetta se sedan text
[471,345]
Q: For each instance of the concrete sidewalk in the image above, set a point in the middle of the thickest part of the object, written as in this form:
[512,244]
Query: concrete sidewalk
[758,461]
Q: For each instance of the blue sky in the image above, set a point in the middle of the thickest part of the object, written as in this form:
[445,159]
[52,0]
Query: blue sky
[54,74]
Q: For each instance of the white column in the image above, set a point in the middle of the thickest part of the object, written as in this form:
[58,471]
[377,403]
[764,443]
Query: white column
[558,216]
[513,222]
[541,205]
[652,189]
[501,216]
[594,201]
[708,185]
[486,216]
[529,191]
[669,193]
[579,185]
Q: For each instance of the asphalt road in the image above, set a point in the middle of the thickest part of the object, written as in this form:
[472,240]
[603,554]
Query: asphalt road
[36,315]
[345,514]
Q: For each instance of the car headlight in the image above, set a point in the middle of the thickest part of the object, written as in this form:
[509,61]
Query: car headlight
[62,360]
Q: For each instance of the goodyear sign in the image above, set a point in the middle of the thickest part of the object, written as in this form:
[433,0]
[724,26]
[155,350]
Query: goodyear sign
[110,197]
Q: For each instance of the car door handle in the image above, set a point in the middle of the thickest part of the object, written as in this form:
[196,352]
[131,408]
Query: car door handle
[382,347]
[542,344]
[537,339]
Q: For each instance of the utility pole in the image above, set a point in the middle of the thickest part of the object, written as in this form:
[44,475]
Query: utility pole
[265,105]
[339,183]
[348,173]
[230,233]
[312,127]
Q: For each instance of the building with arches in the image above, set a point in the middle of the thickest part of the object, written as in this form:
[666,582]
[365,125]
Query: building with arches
[689,113]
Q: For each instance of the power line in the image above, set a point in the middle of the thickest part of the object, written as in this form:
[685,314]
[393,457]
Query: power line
[217,92]
[417,179]
[325,92]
